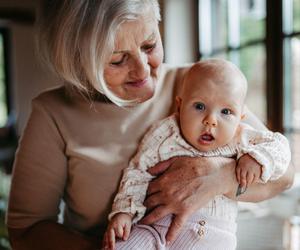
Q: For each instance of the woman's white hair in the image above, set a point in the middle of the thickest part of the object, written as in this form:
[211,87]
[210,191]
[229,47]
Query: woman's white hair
[76,38]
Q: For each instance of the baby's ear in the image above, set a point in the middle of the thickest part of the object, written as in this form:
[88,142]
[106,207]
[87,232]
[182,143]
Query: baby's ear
[178,103]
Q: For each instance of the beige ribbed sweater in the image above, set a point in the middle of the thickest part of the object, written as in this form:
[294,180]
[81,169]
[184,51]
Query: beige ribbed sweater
[75,150]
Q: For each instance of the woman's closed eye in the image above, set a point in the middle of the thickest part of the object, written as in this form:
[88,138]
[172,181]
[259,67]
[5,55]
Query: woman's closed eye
[118,61]
[148,48]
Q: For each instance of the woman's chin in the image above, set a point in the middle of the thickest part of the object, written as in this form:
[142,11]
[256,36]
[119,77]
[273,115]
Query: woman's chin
[144,94]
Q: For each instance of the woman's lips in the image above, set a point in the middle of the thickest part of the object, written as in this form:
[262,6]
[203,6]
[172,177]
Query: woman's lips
[137,84]
[206,139]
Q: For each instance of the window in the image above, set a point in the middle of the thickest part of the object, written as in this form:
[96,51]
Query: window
[4,90]
[3,106]
[291,47]
[262,37]
[235,30]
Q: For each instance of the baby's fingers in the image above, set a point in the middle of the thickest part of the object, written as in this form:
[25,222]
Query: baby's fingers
[111,238]
[127,228]
[108,240]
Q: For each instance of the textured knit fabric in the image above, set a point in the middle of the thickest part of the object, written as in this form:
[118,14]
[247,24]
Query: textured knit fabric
[197,234]
[74,149]
[162,142]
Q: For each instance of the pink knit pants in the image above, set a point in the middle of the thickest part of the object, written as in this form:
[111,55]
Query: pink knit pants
[200,232]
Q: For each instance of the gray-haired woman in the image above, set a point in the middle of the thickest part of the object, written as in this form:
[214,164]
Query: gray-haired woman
[80,136]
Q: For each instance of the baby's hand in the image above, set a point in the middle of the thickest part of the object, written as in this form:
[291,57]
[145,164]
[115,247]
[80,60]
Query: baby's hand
[119,226]
[248,173]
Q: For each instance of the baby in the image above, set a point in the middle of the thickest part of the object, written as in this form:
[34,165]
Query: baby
[207,123]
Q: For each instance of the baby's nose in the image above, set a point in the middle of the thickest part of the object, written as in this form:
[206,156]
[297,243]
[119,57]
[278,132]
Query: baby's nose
[210,120]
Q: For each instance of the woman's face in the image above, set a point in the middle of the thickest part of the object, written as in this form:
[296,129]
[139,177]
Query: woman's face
[132,70]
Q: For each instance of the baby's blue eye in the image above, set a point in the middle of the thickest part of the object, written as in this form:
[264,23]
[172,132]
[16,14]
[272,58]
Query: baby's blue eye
[199,106]
[226,111]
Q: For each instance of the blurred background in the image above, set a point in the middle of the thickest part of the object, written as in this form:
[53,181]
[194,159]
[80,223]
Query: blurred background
[262,37]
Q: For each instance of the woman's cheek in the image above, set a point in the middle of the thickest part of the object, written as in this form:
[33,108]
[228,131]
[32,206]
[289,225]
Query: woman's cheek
[114,77]
[157,57]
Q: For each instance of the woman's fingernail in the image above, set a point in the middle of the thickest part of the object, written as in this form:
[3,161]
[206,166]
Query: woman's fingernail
[168,243]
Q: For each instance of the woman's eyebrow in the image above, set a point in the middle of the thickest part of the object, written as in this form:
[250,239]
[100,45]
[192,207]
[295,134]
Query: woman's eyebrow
[150,37]
[120,51]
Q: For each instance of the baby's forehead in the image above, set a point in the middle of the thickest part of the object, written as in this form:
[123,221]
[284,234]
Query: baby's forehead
[220,72]
[215,68]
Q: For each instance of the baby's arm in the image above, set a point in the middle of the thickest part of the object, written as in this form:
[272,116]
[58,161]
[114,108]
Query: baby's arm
[270,150]
[135,180]
[119,226]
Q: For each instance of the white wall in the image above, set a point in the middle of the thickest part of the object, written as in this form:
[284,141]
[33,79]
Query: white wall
[180,38]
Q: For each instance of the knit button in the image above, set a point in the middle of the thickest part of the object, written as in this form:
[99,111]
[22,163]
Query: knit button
[201,229]
[201,232]
[202,222]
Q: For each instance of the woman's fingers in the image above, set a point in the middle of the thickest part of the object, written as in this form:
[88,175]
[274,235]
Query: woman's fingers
[155,215]
[153,201]
[238,174]
[250,178]
[161,167]
[175,227]
[154,186]
[243,178]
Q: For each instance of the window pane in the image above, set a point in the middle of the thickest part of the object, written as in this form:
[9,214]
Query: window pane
[219,18]
[253,16]
[230,23]
[296,14]
[252,63]
[212,26]
[3,106]
[292,82]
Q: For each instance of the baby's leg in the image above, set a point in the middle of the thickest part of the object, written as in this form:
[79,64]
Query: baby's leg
[141,237]
[206,233]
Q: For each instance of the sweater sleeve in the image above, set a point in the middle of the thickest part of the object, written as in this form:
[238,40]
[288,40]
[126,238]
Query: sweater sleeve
[133,187]
[39,173]
[270,150]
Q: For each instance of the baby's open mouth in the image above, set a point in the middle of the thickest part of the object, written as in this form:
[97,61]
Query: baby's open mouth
[207,137]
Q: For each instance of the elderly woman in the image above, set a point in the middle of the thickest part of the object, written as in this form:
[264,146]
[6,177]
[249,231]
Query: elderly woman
[80,136]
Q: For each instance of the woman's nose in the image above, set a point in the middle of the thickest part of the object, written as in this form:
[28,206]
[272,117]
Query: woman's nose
[210,120]
[140,68]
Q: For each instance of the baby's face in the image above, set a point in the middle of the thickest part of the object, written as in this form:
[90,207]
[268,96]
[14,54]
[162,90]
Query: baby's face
[210,110]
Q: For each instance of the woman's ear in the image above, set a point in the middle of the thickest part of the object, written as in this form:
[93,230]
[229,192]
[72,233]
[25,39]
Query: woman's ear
[178,104]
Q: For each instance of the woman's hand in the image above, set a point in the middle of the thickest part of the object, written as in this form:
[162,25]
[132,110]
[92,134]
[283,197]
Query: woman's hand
[187,185]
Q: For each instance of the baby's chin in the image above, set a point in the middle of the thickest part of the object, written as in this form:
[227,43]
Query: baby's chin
[206,147]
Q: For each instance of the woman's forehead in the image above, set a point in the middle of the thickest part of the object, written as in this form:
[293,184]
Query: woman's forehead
[136,31]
